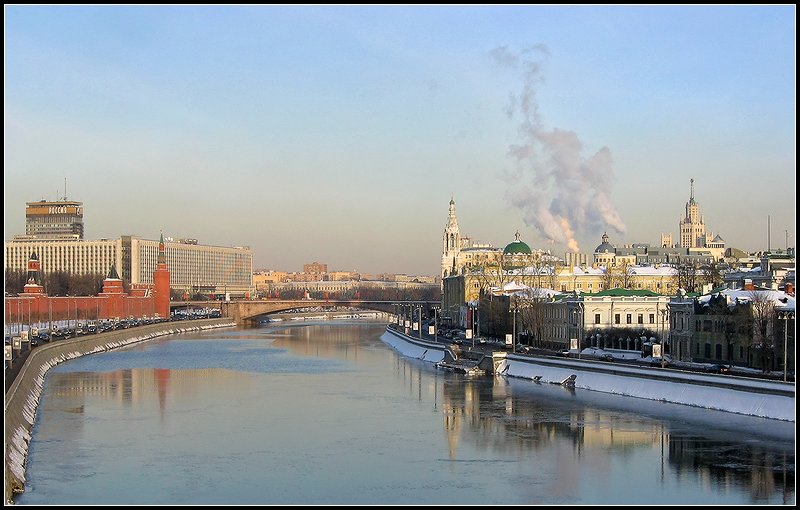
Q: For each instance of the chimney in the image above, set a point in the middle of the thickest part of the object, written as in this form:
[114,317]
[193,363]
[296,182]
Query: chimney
[788,288]
[748,284]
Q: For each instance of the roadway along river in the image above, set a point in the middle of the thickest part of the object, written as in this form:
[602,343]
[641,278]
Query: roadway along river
[328,414]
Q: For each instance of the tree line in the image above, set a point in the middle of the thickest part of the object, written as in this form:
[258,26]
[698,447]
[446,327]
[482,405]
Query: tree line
[58,283]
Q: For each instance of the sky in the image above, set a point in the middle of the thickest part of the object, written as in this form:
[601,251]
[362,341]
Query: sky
[339,134]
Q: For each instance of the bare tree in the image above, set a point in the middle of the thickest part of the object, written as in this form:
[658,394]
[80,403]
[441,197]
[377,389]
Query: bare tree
[619,275]
[688,278]
[608,280]
[15,281]
[532,309]
[763,315]
[710,275]
[627,277]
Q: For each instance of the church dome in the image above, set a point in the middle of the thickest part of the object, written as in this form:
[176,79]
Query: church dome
[517,247]
[605,246]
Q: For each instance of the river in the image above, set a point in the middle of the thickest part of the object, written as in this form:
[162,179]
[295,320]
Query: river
[326,413]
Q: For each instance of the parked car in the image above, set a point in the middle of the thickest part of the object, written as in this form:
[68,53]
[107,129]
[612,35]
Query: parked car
[606,357]
[565,353]
[719,368]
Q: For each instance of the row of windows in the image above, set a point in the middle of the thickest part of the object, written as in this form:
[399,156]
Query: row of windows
[190,267]
[717,351]
[629,318]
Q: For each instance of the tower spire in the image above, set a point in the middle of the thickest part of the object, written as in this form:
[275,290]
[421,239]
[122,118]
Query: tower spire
[691,190]
[162,255]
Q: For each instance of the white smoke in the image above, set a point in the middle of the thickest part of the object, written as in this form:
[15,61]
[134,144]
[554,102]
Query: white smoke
[560,191]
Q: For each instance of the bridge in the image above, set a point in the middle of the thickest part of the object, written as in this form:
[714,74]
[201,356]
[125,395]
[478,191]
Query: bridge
[244,311]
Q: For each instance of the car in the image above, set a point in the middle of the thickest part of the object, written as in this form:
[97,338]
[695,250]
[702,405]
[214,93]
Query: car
[565,353]
[605,357]
[659,362]
[719,368]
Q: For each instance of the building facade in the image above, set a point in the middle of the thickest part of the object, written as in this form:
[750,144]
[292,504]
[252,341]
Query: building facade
[54,220]
[194,268]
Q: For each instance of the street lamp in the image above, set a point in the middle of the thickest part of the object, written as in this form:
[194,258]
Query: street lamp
[514,328]
[472,325]
[435,324]
[577,316]
[420,322]
[785,316]
[663,314]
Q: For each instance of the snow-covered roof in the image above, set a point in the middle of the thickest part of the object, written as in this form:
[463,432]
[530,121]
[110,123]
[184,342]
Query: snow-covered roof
[653,271]
[781,300]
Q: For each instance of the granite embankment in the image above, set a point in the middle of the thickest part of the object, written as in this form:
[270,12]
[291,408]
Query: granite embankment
[742,395]
[23,394]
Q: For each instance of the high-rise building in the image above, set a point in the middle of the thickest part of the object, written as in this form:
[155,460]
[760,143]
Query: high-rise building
[692,227]
[53,220]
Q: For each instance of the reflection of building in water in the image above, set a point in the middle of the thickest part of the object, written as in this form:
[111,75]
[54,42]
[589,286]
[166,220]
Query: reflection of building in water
[117,385]
[493,418]
[607,431]
[715,463]
[140,386]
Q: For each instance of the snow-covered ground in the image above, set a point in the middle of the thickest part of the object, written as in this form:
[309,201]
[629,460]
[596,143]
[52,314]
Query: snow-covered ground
[754,397]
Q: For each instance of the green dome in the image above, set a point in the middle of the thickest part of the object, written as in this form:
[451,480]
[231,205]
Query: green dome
[517,247]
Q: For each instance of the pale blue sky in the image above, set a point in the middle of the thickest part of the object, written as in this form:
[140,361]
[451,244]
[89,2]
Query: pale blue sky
[339,134]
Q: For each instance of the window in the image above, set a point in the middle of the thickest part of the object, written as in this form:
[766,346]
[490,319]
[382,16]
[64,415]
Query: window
[616,318]
[597,318]
[640,318]
[741,352]
[629,318]
[652,318]
[708,350]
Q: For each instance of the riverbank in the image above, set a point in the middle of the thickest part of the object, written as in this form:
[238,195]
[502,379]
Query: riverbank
[22,398]
[753,397]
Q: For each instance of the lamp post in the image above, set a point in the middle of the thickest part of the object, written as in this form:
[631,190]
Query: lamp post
[663,316]
[785,316]
[577,316]
[514,328]
[420,321]
[435,324]
[472,324]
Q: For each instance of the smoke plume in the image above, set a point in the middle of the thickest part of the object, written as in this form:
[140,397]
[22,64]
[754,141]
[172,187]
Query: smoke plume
[559,190]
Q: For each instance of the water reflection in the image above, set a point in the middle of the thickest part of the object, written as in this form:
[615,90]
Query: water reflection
[328,414]
[491,415]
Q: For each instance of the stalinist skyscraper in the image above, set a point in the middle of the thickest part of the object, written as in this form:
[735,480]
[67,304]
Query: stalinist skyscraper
[692,228]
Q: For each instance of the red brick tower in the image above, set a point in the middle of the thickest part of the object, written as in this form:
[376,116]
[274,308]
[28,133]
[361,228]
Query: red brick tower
[113,294]
[161,281]
[33,283]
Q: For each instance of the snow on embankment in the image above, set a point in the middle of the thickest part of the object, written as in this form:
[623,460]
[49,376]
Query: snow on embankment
[412,348]
[767,399]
